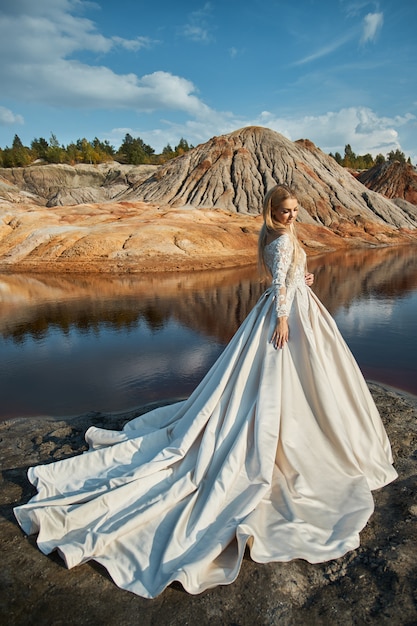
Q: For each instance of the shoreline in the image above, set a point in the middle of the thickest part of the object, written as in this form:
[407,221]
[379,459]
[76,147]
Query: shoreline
[409,396]
[157,264]
[129,413]
[373,584]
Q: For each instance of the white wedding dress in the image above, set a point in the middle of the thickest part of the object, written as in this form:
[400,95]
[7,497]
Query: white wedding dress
[275,449]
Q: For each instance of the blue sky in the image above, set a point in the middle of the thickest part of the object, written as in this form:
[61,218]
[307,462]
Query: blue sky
[332,71]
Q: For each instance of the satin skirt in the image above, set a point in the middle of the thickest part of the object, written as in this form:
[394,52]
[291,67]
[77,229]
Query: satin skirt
[275,449]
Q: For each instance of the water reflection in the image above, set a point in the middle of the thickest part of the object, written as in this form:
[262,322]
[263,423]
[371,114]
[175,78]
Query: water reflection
[342,277]
[214,303]
[373,297]
[71,344]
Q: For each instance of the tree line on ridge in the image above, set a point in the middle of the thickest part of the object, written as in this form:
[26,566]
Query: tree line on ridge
[366,161]
[135,151]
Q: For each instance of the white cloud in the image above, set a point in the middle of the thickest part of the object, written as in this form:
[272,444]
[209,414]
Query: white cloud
[197,130]
[197,28]
[361,127]
[133,44]
[325,50]
[41,43]
[8,117]
[196,33]
[39,40]
[354,8]
[372,24]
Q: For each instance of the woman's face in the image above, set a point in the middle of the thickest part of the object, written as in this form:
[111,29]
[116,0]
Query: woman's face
[286,212]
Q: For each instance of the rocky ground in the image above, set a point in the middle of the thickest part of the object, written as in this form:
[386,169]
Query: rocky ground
[123,238]
[140,237]
[375,584]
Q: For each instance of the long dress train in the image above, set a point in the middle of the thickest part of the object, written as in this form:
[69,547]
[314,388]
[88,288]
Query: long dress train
[275,449]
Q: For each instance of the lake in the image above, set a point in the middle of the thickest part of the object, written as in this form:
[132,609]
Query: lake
[73,344]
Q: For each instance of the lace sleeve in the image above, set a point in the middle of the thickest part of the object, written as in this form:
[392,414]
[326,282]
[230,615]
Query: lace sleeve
[282,257]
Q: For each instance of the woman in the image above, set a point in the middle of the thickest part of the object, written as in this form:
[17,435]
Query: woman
[278,448]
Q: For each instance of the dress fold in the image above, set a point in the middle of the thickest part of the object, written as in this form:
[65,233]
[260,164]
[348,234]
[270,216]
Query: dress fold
[275,449]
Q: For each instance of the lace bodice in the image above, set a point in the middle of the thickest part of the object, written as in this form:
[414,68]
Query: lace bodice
[286,277]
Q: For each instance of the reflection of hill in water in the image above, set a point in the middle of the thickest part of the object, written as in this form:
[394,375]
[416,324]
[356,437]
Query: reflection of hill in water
[341,277]
[214,303]
[211,302]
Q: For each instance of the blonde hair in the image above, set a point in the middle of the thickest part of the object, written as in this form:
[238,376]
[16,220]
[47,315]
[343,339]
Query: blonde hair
[274,198]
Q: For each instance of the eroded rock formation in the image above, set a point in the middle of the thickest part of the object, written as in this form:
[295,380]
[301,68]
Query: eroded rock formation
[58,185]
[393,180]
[233,172]
[123,237]
[198,211]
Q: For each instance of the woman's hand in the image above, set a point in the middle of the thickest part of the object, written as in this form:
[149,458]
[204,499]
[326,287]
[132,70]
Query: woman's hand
[309,278]
[281,333]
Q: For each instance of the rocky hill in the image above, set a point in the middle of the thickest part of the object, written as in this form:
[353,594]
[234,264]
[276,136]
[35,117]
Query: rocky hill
[232,172]
[58,185]
[394,180]
[200,210]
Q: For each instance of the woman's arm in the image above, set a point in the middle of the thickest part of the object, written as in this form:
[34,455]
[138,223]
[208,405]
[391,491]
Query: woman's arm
[283,252]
